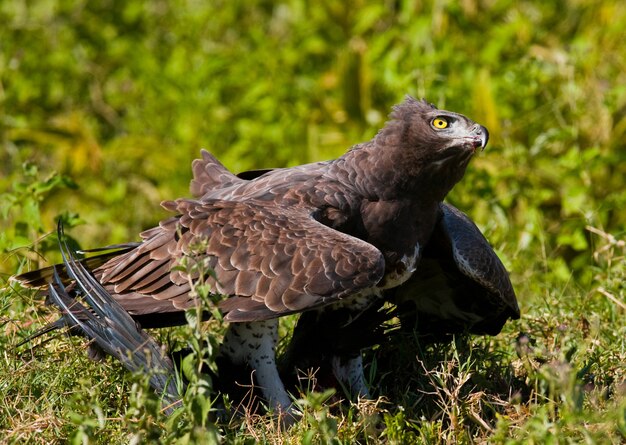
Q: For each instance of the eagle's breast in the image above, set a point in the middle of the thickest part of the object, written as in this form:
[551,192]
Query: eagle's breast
[401,270]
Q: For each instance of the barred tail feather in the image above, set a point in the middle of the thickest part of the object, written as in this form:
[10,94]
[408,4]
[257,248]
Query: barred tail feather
[111,327]
[42,277]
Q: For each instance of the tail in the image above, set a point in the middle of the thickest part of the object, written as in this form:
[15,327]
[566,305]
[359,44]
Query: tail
[42,277]
[111,327]
[210,174]
[61,323]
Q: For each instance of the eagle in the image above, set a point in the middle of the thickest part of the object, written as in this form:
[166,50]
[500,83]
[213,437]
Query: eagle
[459,287]
[329,240]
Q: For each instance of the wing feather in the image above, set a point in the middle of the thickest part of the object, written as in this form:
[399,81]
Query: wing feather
[274,259]
[460,283]
[475,257]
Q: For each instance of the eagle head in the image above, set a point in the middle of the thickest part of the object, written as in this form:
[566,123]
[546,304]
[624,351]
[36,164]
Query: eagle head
[433,130]
[430,145]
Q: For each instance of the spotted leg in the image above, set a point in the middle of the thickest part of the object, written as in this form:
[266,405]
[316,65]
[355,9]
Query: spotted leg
[349,372]
[330,342]
[254,344]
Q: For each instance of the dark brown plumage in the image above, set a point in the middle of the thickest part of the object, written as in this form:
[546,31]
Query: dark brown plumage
[321,236]
[460,286]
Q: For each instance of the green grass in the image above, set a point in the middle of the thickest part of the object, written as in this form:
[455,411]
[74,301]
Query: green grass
[103,105]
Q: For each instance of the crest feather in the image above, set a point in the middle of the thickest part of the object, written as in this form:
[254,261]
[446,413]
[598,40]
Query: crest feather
[409,106]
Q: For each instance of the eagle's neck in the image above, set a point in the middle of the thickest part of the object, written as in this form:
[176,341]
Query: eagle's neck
[395,172]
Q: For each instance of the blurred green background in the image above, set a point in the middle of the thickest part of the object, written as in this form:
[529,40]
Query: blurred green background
[104,104]
[117,97]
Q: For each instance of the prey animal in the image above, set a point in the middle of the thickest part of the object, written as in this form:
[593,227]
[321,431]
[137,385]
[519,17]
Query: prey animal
[318,238]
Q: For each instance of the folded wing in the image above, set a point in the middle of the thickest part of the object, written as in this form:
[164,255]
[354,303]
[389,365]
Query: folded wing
[460,283]
[269,260]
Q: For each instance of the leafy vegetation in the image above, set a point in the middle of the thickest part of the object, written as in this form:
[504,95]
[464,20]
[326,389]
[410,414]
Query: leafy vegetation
[104,104]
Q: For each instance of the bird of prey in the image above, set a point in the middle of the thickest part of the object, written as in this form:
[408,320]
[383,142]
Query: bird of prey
[322,238]
[460,286]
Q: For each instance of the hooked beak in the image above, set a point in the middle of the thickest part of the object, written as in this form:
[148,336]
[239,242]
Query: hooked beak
[481,135]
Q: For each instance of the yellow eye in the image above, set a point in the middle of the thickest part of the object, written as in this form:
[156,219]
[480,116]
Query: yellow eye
[440,123]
